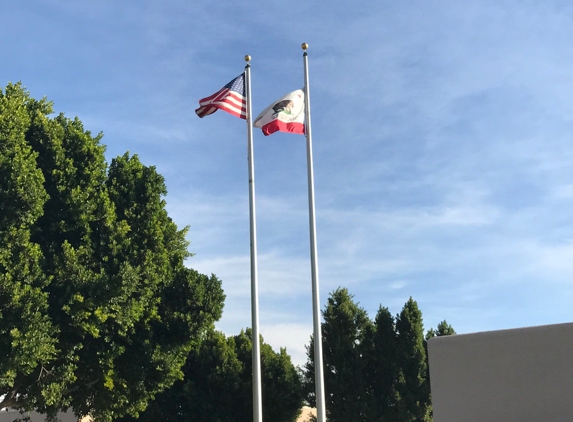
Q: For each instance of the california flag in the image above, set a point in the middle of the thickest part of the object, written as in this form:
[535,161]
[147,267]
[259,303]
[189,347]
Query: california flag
[284,115]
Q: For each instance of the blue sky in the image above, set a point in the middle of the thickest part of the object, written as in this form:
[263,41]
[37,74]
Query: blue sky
[442,144]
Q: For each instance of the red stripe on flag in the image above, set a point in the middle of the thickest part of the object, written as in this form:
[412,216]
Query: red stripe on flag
[277,125]
[217,95]
[230,98]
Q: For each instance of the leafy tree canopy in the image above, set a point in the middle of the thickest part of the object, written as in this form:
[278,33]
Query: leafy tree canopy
[97,310]
[218,385]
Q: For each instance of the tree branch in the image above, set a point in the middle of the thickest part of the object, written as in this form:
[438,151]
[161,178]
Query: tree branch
[10,399]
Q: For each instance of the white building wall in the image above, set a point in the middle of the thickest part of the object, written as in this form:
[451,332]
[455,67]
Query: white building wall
[519,375]
[9,415]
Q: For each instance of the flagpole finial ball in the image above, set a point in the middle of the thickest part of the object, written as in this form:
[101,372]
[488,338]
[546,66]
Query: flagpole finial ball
[304,46]
[247,58]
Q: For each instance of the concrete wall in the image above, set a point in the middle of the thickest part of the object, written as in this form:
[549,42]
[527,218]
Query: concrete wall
[524,374]
[8,415]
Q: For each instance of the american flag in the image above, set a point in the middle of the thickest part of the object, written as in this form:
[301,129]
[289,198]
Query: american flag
[231,98]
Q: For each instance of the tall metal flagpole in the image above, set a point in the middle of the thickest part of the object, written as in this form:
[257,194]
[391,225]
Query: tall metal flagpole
[318,366]
[257,393]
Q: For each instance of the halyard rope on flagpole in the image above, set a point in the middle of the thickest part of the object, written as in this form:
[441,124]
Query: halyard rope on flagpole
[318,365]
[257,390]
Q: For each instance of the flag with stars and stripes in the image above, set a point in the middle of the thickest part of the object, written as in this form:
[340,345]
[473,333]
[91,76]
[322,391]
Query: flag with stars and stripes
[231,98]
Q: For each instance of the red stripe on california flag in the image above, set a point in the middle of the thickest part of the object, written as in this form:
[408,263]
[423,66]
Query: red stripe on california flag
[277,125]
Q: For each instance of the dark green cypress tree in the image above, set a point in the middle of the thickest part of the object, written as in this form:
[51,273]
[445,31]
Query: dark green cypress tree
[383,370]
[413,385]
[345,334]
[443,329]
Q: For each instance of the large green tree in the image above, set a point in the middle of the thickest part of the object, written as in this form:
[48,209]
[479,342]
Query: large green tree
[97,310]
[218,385]
[27,335]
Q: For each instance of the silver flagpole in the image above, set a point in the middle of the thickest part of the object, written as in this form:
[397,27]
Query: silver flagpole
[257,391]
[318,366]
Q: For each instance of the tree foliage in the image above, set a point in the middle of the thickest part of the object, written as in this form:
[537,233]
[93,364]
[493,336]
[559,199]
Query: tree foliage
[97,310]
[383,372]
[344,332]
[443,329]
[27,336]
[413,386]
[218,385]
[374,371]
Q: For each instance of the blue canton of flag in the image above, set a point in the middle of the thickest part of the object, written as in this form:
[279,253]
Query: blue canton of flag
[231,98]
